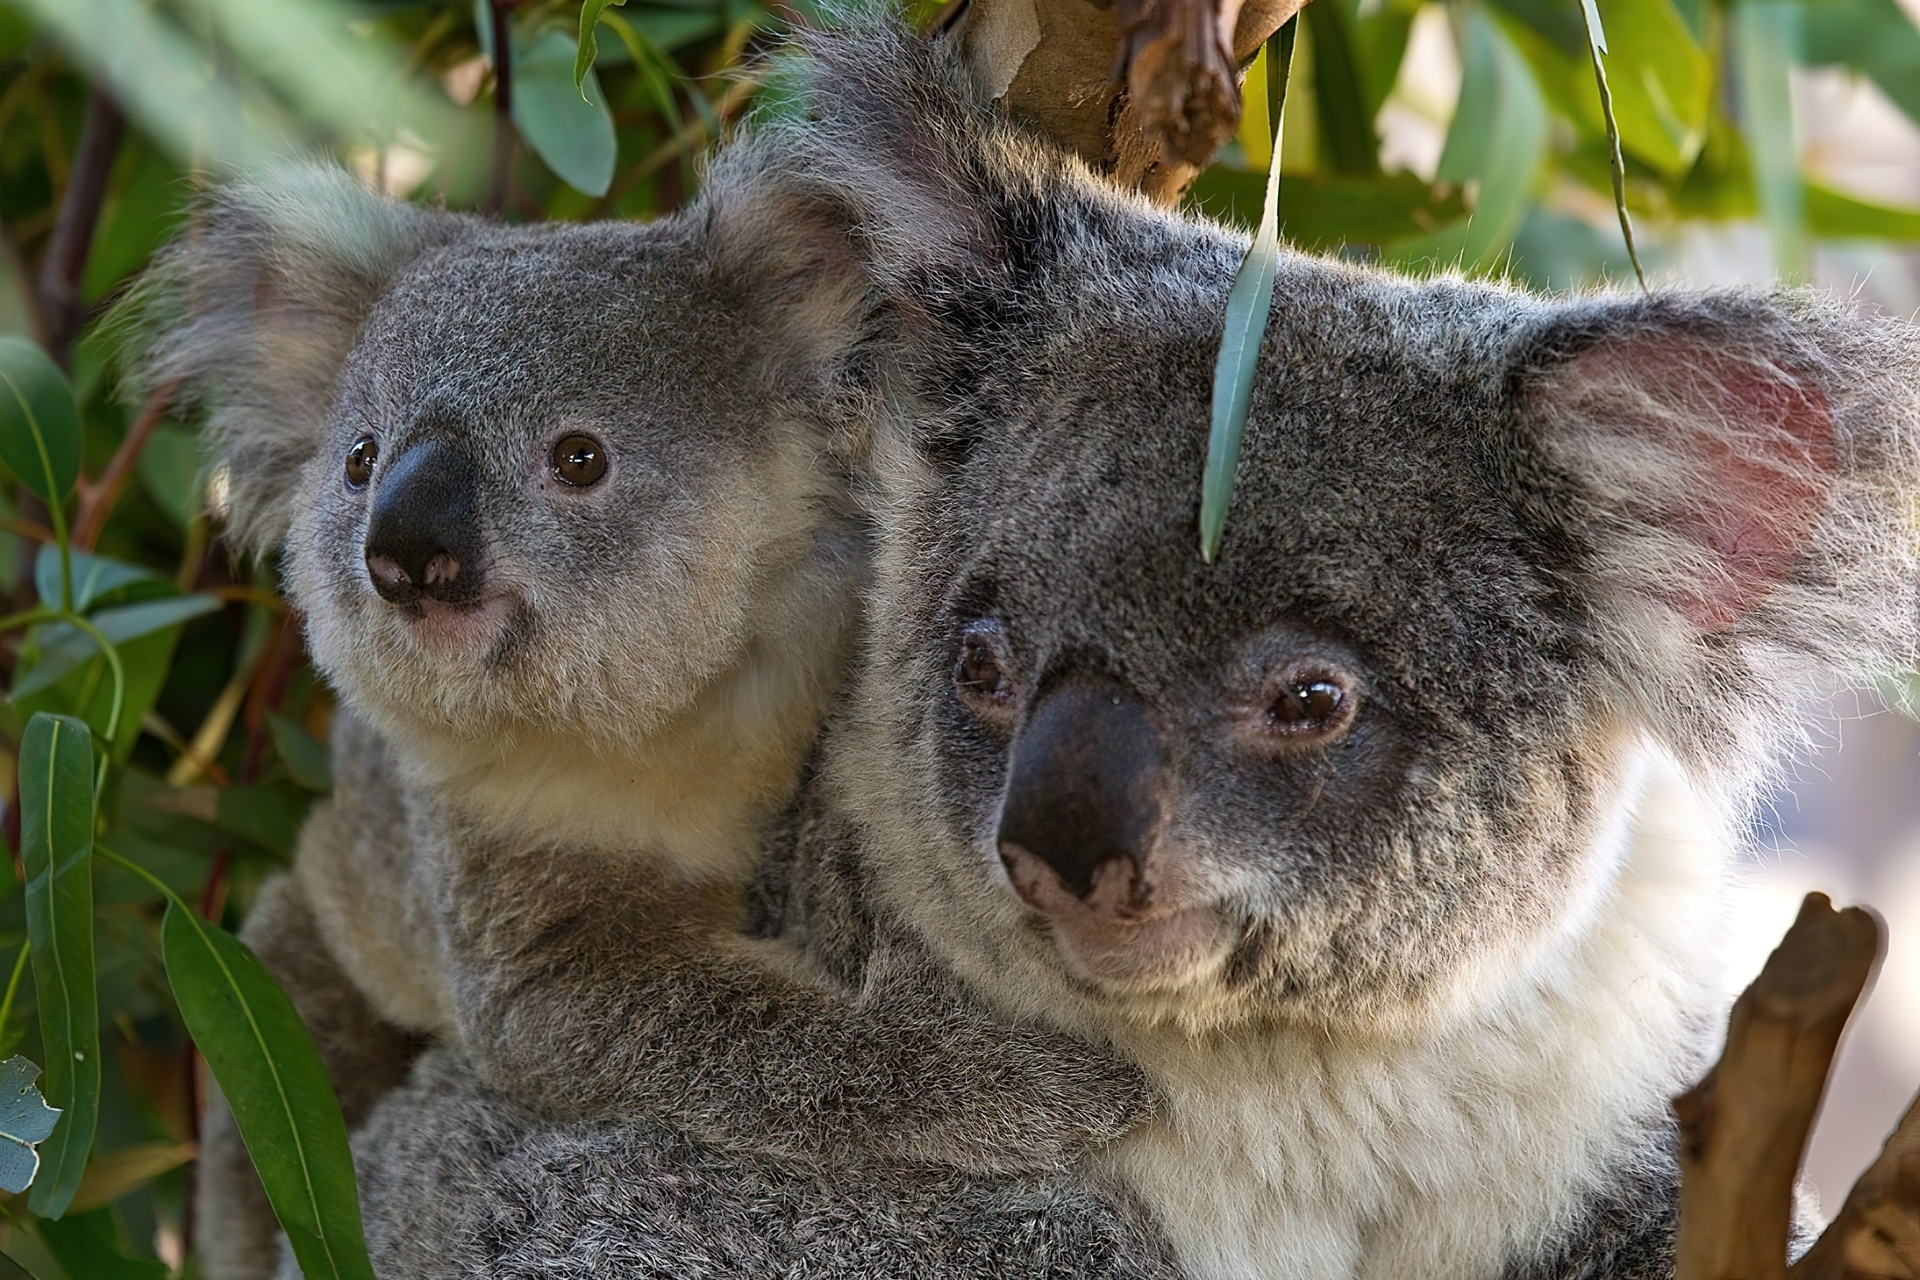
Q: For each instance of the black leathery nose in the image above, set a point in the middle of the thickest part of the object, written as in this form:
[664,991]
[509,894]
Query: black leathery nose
[1086,782]
[423,537]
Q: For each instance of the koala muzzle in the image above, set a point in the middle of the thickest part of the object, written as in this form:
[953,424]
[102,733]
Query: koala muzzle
[1084,799]
[424,535]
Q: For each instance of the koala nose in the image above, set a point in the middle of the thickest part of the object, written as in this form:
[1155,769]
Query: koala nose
[423,537]
[1084,793]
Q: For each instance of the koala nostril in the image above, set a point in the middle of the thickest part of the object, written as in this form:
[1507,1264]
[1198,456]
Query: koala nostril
[441,569]
[390,580]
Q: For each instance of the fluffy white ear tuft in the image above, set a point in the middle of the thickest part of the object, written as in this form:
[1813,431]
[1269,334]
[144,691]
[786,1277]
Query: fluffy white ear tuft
[253,311]
[1707,470]
[1729,490]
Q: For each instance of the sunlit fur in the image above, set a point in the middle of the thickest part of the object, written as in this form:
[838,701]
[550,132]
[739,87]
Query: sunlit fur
[675,629]
[1581,554]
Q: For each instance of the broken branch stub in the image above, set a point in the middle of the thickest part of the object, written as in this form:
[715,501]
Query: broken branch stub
[1877,1233]
[1743,1128]
[1144,90]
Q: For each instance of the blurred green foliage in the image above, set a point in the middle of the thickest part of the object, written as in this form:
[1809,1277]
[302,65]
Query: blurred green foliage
[114,112]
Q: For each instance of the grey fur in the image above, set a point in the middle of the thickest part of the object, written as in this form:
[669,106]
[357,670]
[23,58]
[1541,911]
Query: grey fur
[1540,541]
[575,799]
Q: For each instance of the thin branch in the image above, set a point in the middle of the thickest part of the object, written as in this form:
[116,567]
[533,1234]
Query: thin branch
[1744,1127]
[65,260]
[1877,1233]
[98,502]
[505,137]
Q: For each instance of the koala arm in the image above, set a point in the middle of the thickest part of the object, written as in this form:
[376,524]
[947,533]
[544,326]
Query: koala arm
[592,986]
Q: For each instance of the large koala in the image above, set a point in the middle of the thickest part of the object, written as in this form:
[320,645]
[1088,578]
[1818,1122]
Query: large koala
[566,513]
[1391,843]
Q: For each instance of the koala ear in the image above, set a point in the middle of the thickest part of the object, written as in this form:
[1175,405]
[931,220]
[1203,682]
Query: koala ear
[252,312]
[1732,480]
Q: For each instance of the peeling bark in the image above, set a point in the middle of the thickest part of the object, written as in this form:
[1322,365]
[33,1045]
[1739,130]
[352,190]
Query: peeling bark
[1144,90]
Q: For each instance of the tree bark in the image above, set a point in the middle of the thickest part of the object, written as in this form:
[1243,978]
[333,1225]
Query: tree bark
[1144,90]
[1743,1129]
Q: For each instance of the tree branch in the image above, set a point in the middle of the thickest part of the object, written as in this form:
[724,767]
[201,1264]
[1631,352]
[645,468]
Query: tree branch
[1145,91]
[504,134]
[65,260]
[97,503]
[1744,1127]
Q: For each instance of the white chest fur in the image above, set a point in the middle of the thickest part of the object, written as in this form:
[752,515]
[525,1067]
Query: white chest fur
[1287,1154]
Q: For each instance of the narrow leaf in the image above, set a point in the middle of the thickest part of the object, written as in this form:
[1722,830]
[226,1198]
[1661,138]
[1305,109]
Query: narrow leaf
[305,756]
[56,845]
[95,578]
[120,1173]
[589,40]
[1246,322]
[1597,49]
[25,1122]
[64,647]
[260,1052]
[39,421]
[89,1244]
[1766,35]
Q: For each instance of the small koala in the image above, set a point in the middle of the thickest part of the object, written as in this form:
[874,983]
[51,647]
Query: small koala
[566,512]
[1391,844]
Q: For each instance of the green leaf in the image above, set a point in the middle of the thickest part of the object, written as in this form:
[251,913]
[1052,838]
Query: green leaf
[1766,37]
[1661,82]
[63,647]
[25,1122]
[567,126]
[1318,211]
[1248,302]
[1498,139]
[269,814]
[56,846]
[306,757]
[1842,217]
[89,1244]
[260,1052]
[589,40]
[96,579]
[173,472]
[39,421]
[11,1270]
[1346,124]
[1875,37]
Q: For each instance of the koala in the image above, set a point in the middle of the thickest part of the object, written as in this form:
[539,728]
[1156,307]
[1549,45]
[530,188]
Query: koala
[1390,844]
[566,513]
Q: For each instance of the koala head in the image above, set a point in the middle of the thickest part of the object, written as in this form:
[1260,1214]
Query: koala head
[553,481]
[1484,549]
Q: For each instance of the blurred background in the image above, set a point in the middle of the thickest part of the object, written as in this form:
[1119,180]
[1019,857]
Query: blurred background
[1759,139]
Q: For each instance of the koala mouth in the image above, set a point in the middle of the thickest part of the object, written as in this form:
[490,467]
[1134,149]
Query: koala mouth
[459,628]
[1125,933]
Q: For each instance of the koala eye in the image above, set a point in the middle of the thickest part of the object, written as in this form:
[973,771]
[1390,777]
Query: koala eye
[980,676]
[360,459]
[579,460]
[1309,703]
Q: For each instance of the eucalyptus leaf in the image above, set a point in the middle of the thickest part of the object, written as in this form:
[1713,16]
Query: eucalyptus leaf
[1498,140]
[583,61]
[39,421]
[1246,320]
[264,1060]
[567,125]
[306,757]
[1662,82]
[96,579]
[56,847]
[25,1122]
[89,1245]
[63,647]
[1767,34]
